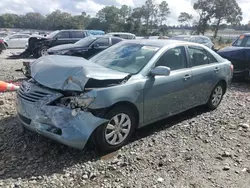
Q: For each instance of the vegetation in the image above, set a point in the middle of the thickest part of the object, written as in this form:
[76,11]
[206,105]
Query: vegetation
[149,19]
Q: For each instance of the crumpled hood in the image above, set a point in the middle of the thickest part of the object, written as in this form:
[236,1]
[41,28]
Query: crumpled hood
[62,47]
[70,73]
[232,52]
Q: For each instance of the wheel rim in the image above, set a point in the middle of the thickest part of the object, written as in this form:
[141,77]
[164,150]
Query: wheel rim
[44,52]
[118,129]
[217,95]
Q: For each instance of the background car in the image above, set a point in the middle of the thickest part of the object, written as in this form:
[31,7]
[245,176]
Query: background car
[86,47]
[239,55]
[127,86]
[123,35]
[196,39]
[16,40]
[38,46]
[2,46]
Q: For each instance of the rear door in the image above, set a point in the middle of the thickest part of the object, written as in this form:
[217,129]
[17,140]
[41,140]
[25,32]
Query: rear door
[76,36]
[205,73]
[63,37]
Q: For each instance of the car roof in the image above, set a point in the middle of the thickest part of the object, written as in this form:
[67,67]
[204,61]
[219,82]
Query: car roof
[246,34]
[159,42]
[105,36]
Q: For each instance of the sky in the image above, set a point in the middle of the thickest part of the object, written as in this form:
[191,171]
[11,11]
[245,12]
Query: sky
[93,6]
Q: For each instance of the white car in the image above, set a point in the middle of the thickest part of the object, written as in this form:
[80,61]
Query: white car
[16,40]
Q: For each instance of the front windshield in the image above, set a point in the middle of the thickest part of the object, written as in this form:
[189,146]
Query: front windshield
[126,57]
[86,41]
[51,35]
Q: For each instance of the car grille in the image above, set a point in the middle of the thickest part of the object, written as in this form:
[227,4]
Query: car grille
[31,96]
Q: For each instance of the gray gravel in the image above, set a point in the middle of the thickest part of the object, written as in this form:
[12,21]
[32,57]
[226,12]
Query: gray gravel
[196,149]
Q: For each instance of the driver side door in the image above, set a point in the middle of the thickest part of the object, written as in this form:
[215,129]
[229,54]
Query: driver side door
[168,95]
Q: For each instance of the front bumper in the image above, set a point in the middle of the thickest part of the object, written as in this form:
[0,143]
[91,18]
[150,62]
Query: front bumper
[54,122]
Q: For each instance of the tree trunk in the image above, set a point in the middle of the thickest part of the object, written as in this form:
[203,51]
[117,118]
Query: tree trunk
[217,28]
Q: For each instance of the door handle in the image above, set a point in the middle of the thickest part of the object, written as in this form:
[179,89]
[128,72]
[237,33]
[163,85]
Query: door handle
[217,69]
[187,76]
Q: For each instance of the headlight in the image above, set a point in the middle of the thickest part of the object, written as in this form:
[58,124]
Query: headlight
[61,52]
[82,101]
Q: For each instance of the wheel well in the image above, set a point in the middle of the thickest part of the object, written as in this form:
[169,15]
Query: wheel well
[130,106]
[224,85]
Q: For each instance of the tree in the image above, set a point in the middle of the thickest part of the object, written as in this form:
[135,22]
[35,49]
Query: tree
[163,12]
[205,9]
[32,21]
[148,12]
[185,18]
[226,11]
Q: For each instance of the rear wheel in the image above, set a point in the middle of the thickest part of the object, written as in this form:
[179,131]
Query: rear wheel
[216,96]
[114,134]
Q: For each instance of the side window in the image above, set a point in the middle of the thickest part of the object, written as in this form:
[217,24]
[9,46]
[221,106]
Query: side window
[115,40]
[25,36]
[14,37]
[247,39]
[174,58]
[102,42]
[77,34]
[63,35]
[200,56]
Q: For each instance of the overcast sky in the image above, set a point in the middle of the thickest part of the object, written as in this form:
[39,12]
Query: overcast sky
[92,6]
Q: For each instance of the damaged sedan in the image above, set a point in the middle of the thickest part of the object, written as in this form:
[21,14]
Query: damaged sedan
[125,87]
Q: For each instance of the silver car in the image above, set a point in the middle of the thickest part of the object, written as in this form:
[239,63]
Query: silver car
[196,38]
[127,86]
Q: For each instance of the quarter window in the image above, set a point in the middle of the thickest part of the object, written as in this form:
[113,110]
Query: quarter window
[174,58]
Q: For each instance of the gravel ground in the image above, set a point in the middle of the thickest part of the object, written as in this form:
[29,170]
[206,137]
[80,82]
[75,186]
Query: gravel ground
[196,149]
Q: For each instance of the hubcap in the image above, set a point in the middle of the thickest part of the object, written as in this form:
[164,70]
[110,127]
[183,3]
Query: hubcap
[44,52]
[118,129]
[217,95]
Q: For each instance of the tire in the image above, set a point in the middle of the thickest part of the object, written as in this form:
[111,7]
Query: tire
[43,51]
[216,96]
[103,137]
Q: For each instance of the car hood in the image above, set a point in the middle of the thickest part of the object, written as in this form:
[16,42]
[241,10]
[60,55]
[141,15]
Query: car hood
[232,52]
[63,47]
[73,73]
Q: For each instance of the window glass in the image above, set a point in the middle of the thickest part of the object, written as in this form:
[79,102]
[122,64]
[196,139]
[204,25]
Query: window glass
[63,35]
[14,37]
[174,58]
[115,40]
[24,36]
[198,56]
[247,41]
[125,57]
[77,34]
[239,41]
[102,42]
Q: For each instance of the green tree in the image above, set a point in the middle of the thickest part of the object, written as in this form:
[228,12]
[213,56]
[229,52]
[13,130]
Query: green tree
[163,12]
[185,18]
[32,21]
[226,11]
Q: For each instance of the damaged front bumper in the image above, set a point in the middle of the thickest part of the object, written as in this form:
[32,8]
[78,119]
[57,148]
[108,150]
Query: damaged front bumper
[55,122]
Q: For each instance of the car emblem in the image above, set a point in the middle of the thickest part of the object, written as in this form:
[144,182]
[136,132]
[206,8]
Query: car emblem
[26,88]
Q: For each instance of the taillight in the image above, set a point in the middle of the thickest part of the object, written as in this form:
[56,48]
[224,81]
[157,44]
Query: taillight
[232,67]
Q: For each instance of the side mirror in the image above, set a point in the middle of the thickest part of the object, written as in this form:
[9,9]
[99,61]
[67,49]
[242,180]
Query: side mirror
[161,71]
[95,45]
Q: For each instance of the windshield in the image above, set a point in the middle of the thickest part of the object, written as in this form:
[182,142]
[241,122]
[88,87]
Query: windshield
[51,35]
[125,57]
[86,41]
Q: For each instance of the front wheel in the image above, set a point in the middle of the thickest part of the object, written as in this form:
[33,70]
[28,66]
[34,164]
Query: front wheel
[43,51]
[216,97]
[116,133]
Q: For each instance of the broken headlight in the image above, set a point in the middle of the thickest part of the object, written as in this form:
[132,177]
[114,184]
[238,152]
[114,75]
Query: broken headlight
[81,101]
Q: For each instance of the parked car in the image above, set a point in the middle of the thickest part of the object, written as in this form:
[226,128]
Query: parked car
[2,46]
[123,35]
[16,40]
[86,47]
[96,32]
[3,35]
[127,86]
[239,55]
[38,46]
[196,39]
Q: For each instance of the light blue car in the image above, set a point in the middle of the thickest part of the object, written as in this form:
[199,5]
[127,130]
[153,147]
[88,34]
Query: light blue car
[127,86]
